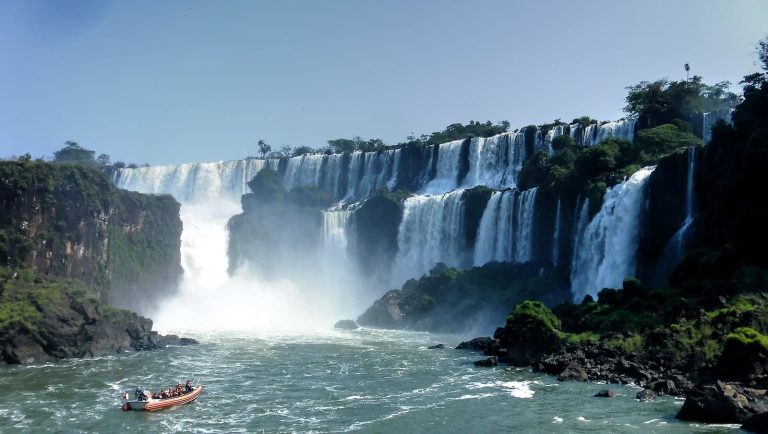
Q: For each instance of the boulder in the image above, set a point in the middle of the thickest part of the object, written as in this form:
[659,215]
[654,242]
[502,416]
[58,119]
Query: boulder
[531,332]
[605,393]
[385,312]
[719,403]
[489,362]
[346,324]
[573,372]
[664,387]
[757,423]
[646,395]
[436,347]
[477,344]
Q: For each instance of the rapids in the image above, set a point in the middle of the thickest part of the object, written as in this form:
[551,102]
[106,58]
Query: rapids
[320,380]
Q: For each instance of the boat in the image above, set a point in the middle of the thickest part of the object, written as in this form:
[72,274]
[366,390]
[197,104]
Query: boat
[151,404]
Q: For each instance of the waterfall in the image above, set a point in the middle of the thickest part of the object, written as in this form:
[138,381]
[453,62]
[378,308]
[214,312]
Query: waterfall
[335,223]
[447,174]
[194,182]
[675,248]
[209,194]
[495,161]
[710,119]
[556,237]
[505,233]
[595,133]
[432,231]
[606,252]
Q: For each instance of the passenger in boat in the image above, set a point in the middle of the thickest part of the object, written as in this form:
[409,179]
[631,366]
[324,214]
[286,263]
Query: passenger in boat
[188,386]
[179,388]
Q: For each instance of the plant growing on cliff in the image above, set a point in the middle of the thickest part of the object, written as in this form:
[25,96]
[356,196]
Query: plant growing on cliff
[72,152]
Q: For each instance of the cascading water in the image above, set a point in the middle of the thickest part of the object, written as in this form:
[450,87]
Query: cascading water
[209,194]
[447,174]
[506,228]
[606,252]
[495,161]
[595,133]
[675,248]
[710,119]
[556,237]
[432,231]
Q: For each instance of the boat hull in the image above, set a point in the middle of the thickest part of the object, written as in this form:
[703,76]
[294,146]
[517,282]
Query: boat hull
[159,404]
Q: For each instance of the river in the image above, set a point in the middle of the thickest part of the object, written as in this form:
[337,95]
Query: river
[321,381]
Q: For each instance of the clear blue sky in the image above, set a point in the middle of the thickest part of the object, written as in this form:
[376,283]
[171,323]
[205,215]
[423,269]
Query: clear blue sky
[174,81]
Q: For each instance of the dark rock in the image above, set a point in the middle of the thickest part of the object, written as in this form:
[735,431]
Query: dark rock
[346,324]
[477,344]
[489,362]
[665,387]
[573,372]
[385,313]
[757,423]
[645,395]
[606,393]
[530,334]
[719,403]
[436,347]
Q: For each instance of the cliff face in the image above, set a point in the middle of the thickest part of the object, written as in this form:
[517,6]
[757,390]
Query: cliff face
[70,221]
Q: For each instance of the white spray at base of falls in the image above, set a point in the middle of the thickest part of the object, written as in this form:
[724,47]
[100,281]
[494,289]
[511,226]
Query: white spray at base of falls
[505,233]
[208,297]
[432,231]
[606,253]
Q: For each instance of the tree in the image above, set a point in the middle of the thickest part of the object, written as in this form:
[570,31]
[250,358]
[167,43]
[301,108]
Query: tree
[344,146]
[119,164]
[26,157]
[72,152]
[286,151]
[264,148]
[301,150]
[103,159]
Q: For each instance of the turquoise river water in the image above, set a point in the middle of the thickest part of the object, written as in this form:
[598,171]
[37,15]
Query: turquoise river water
[327,381]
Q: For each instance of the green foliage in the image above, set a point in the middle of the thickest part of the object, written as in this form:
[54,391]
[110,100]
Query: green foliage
[562,142]
[301,150]
[264,148]
[628,345]
[580,338]
[72,152]
[748,339]
[663,101]
[534,311]
[653,143]
[357,143]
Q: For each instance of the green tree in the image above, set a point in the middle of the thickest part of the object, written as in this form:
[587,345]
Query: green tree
[264,148]
[72,152]
[343,146]
[286,151]
[301,150]
[103,160]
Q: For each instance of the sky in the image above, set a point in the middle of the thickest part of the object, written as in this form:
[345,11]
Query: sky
[183,81]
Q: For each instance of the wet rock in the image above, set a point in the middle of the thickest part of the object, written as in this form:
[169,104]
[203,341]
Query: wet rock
[477,344]
[386,312]
[573,372]
[346,324]
[719,403]
[757,424]
[664,387]
[489,362]
[606,393]
[436,347]
[646,395]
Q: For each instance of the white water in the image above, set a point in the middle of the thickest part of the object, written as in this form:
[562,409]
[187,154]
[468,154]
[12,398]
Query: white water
[606,252]
[505,233]
[556,237]
[595,133]
[495,161]
[446,176]
[432,231]
[209,195]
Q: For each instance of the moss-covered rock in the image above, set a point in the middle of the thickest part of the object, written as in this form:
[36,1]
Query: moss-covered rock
[46,319]
[68,220]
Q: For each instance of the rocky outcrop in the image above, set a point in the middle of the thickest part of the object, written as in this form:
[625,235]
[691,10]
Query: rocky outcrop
[605,393]
[65,220]
[48,320]
[346,324]
[386,312]
[720,403]
[756,424]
